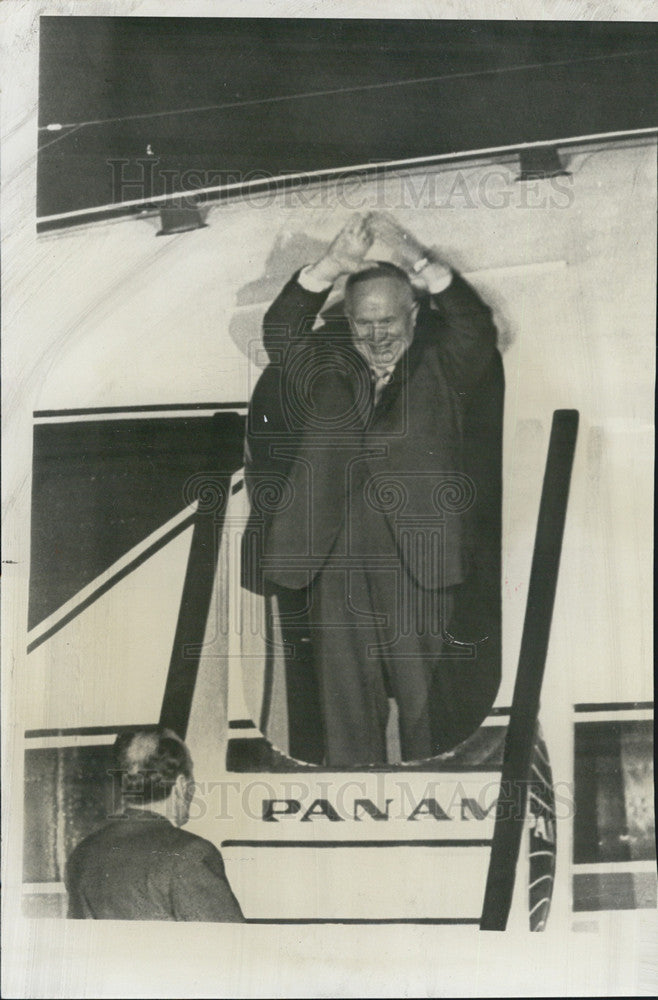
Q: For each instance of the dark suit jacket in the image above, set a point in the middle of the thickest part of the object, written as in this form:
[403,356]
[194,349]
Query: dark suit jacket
[141,867]
[429,453]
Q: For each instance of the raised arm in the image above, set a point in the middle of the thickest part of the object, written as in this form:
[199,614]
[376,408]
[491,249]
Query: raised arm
[466,335]
[291,315]
[467,339]
[295,309]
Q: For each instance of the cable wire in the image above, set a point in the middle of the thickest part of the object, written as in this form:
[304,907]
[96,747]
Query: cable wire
[306,95]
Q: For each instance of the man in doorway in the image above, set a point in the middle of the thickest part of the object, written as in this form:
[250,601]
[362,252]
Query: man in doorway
[141,865]
[379,436]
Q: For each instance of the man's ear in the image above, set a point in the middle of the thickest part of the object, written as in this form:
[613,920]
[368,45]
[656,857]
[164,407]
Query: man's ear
[181,786]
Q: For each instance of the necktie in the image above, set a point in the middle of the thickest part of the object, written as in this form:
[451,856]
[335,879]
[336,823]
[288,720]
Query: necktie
[379,380]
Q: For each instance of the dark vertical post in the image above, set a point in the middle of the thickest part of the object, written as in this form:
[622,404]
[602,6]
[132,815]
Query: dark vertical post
[210,490]
[510,818]
[191,625]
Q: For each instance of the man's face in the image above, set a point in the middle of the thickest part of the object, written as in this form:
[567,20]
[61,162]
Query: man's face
[382,314]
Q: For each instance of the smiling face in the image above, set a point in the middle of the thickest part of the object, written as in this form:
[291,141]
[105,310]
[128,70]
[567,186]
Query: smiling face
[382,314]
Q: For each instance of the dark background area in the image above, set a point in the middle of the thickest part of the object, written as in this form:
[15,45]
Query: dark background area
[99,488]
[501,83]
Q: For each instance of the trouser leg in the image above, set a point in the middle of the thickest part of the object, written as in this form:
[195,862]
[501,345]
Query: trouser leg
[444,689]
[466,676]
[352,690]
[413,645]
[443,692]
[462,694]
[304,718]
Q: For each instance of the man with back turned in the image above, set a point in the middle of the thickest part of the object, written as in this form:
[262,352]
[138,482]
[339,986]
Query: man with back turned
[141,865]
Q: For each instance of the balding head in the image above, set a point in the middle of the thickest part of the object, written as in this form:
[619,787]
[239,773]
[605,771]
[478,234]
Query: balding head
[151,762]
[378,270]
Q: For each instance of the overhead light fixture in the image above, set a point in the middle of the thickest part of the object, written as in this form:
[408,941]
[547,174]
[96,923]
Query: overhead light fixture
[540,162]
[178,217]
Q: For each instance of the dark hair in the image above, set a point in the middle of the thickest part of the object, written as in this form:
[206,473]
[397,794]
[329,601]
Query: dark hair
[377,269]
[149,762]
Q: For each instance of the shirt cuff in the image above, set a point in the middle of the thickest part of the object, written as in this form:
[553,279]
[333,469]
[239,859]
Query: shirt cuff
[311,284]
[435,284]
[438,283]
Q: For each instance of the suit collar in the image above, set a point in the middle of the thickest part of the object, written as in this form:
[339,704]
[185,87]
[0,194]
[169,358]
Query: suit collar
[129,812]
